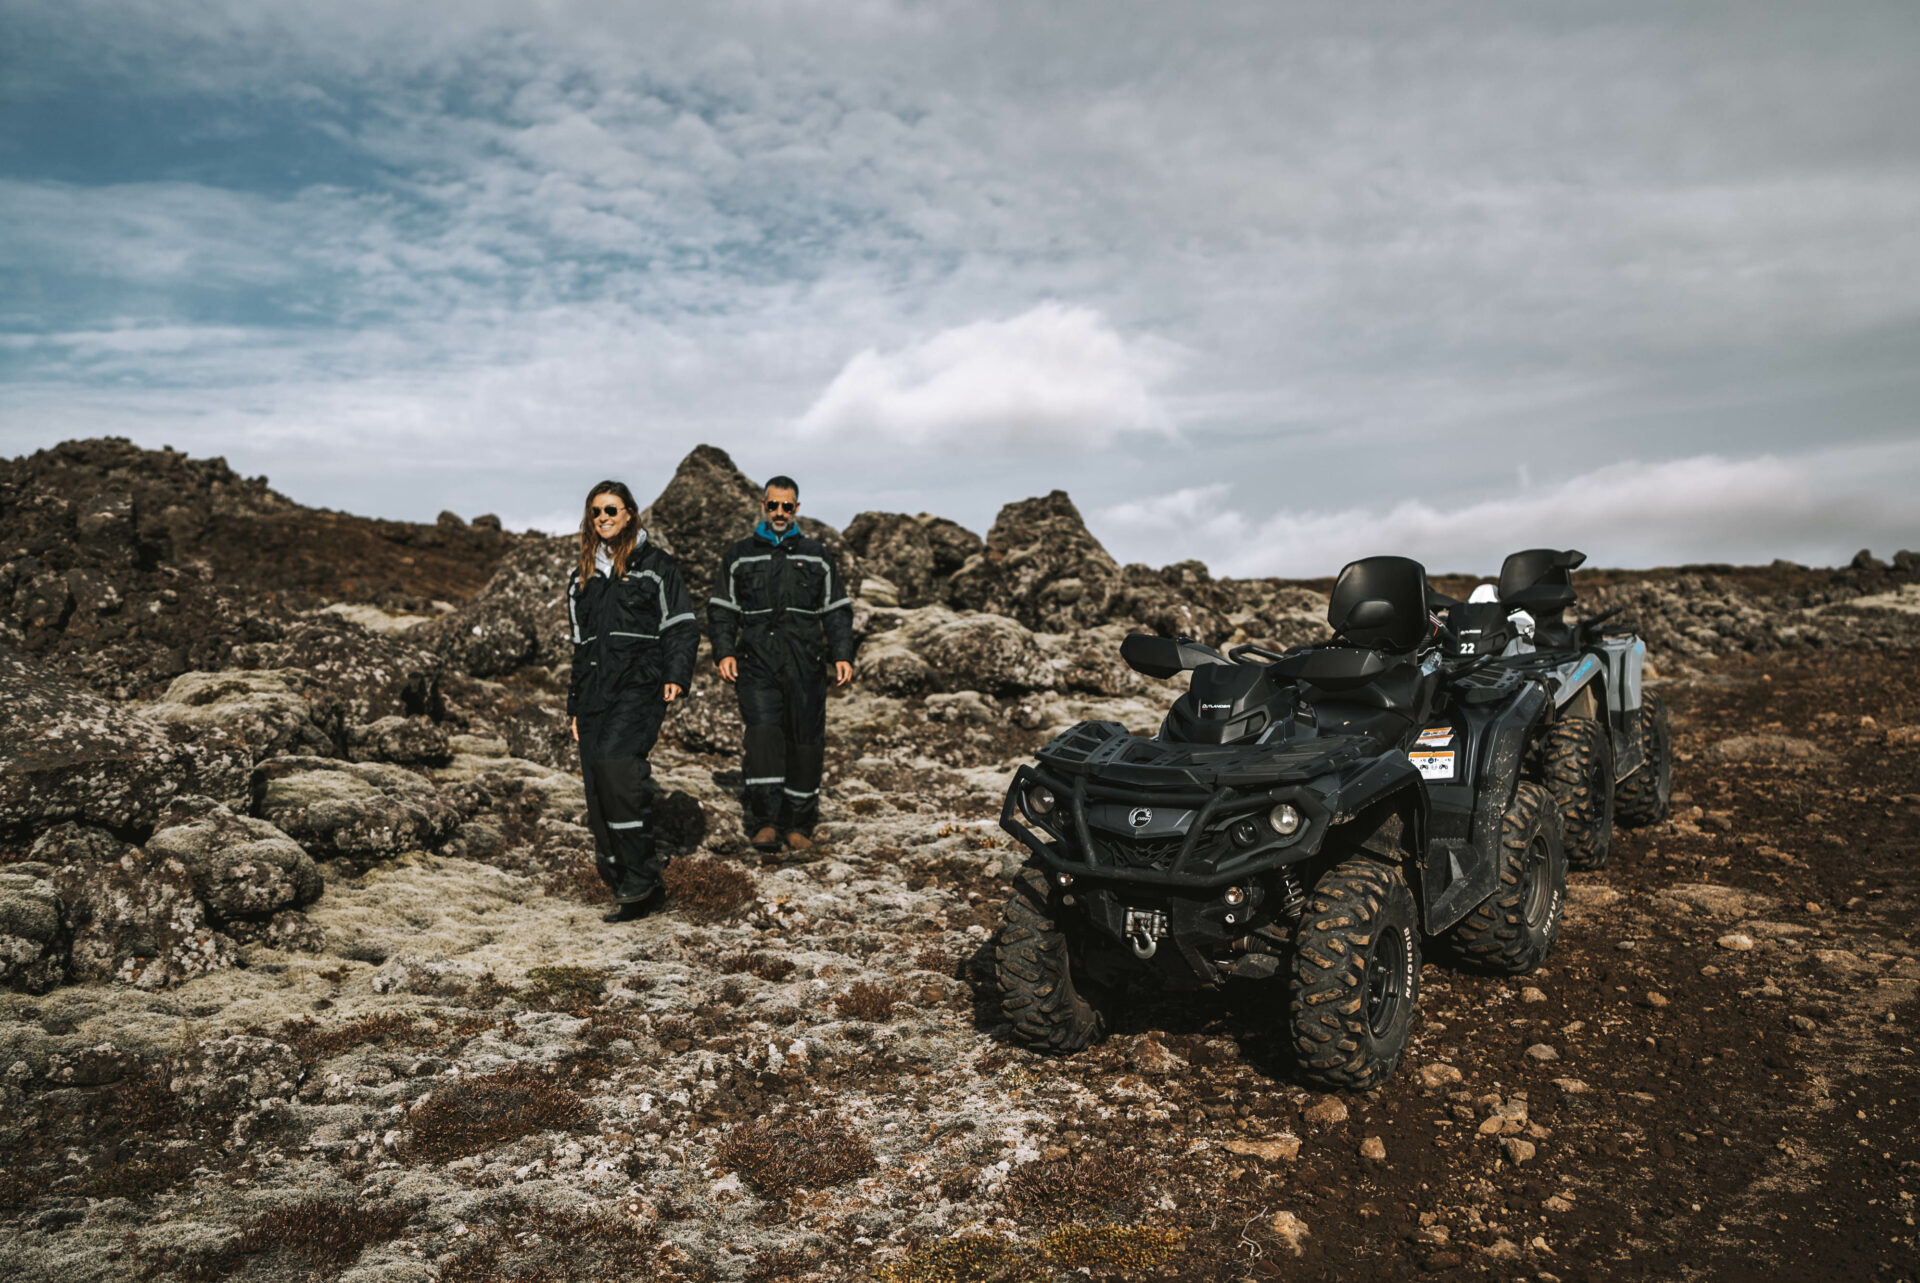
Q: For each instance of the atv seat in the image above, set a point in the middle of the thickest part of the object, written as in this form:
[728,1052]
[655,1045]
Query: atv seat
[1539,581]
[1368,682]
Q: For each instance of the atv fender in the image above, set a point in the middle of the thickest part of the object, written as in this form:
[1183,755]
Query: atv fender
[1458,874]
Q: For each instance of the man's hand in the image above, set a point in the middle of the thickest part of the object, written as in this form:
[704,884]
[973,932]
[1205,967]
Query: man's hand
[671,691]
[576,729]
[842,672]
[730,669]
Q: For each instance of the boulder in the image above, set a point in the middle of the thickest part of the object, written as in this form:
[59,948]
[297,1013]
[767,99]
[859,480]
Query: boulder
[363,675]
[224,1074]
[138,921]
[33,929]
[1181,600]
[267,710]
[706,505]
[407,741]
[335,808]
[518,619]
[1041,566]
[915,555]
[242,867]
[69,755]
[934,649]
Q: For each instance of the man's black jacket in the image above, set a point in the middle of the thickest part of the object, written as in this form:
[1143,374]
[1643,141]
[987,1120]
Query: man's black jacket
[631,635]
[774,600]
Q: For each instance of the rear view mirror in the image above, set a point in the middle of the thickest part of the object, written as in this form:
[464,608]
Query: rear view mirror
[1165,657]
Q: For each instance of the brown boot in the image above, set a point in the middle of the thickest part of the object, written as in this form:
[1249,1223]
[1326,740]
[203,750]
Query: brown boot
[801,847]
[767,839]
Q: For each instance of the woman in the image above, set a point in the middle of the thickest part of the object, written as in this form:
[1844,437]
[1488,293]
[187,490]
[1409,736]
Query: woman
[634,638]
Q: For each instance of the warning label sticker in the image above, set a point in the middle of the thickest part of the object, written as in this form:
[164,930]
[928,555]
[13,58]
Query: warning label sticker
[1433,765]
[1436,735]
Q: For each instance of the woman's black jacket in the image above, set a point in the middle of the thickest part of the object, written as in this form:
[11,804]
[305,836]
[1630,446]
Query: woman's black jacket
[631,635]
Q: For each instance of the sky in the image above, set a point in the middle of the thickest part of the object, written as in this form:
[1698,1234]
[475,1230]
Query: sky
[1270,284]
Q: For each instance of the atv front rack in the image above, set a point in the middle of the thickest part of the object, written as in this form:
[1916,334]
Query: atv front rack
[1206,788]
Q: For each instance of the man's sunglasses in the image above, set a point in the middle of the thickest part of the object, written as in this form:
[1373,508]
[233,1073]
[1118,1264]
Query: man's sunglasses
[610,510]
[775,505]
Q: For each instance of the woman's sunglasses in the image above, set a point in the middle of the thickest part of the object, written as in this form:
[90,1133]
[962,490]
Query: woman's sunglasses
[610,510]
[775,505]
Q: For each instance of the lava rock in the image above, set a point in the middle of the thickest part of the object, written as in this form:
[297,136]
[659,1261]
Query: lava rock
[33,929]
[337,808]
[138,921]
[267,710]
[242,867]
[231,1073]
[1041,566]
[406,741]
[69,755]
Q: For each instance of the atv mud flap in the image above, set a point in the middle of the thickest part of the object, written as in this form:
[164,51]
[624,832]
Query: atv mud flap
[1461,869]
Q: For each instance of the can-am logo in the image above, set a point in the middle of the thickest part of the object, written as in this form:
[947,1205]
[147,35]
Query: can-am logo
[1139,817]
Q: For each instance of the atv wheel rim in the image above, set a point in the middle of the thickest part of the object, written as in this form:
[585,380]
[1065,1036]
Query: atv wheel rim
[1386,983]
[1539,902]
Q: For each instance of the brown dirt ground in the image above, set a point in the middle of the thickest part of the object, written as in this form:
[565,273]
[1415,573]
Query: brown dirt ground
[1755,1119]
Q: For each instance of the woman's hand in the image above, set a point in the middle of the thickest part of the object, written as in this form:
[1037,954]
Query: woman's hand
[842,672]
[576,729]
[671,691]
[730,669]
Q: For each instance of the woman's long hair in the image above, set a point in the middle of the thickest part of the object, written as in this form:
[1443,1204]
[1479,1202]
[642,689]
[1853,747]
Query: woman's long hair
[622,546]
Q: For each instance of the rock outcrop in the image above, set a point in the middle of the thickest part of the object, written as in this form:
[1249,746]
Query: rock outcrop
[68,755]
[917,555]
[1041,566]
[366,809]
[33,929]
[242,867]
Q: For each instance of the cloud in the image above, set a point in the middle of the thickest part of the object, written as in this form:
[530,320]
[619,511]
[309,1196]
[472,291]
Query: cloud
[1816,508]
[1053,376]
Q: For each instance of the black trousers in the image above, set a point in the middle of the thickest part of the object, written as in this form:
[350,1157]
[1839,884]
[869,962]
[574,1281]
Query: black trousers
[620,790]
[785,708]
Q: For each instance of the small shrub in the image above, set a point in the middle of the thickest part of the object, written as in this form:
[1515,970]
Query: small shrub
[779,1155]
[475,1114]
[866,805]
[565,988]
[1075,1188]
[525,1244]
[770,967]
[707,890]
[575,878]
[939,960]
[313,1041]
[868,1001]
[329,1233]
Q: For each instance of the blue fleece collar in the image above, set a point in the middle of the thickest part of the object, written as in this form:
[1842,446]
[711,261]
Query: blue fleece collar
[766,532]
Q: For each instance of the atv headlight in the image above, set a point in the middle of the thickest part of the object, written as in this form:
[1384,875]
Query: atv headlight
[1286,820]
[1040,800]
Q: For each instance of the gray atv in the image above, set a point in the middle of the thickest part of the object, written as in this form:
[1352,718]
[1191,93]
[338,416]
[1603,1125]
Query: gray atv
[1608,754]
[1316,817]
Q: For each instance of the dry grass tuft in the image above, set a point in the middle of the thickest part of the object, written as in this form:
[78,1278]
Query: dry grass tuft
[868,1001]
[987,1258]
[779,1155]
[707,890]
[475,1114]
[1076,1188]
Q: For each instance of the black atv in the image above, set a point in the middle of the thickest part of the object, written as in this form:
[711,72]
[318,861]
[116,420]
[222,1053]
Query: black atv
[1609,753]
[1313,813]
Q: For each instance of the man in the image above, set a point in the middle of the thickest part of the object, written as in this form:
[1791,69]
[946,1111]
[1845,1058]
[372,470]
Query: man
[779,616]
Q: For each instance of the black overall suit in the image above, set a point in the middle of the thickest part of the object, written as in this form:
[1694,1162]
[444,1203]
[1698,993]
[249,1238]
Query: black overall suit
[781,609]
[632,635]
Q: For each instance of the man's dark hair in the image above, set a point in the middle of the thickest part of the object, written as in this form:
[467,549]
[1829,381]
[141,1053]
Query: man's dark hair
[783,483]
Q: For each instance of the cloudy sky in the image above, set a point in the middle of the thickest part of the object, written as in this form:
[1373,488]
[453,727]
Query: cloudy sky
[1269,284]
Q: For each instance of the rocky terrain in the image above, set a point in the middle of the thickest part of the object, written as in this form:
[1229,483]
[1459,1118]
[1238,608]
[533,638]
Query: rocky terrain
[304,973]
